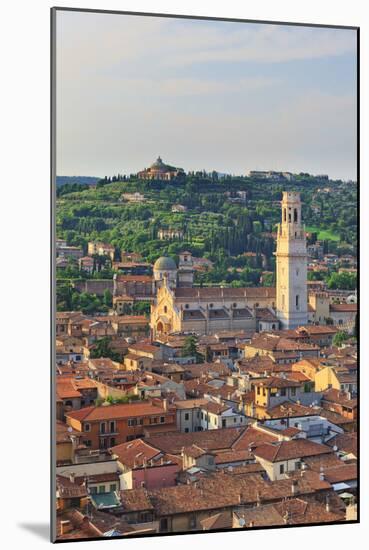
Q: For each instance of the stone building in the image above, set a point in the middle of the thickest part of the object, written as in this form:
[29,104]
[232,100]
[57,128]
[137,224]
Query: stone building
[291,268]
[160,171]
[180,307]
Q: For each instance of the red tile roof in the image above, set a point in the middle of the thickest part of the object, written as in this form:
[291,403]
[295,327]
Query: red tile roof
[286,450]
[127,410]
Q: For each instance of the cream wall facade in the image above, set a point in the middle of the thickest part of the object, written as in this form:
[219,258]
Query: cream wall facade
[291,264]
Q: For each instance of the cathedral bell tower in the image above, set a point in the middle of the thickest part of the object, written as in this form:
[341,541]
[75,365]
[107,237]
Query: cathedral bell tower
[291,264]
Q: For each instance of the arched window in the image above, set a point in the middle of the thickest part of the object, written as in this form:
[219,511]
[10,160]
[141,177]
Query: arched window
[295,216]
[297,301]
[284,214]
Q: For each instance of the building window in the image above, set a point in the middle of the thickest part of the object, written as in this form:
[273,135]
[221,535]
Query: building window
[297,302]
[101,488]
[87,442]
[186,430]
[281,469]
[187,306]
[295,217]
[283,391]
[162,419]
[187,416]
[102,427]
[112,426]
[87,427]
[113,487]
[112,441]
[164,524]
[93,490]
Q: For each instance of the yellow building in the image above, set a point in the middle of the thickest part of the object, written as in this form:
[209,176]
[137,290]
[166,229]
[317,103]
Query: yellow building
[337,378]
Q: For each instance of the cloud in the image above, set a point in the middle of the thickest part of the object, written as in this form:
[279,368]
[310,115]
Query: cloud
[129,88]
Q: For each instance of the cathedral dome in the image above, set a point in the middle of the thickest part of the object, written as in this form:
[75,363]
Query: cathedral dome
[159,165]
[165,264]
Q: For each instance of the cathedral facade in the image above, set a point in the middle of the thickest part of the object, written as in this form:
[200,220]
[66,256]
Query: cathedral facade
[180,307]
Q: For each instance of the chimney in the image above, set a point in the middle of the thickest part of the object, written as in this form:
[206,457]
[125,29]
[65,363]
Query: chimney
[327,504]
[294,487]
[65,527]
[165,404]
[72,476]
[85,523]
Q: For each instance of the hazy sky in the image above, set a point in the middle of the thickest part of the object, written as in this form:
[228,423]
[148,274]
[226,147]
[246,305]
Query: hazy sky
[203,95]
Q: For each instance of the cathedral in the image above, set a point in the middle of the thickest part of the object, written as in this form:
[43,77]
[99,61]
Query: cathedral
[180,307]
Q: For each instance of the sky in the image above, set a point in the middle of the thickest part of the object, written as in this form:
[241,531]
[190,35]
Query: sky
[211,95]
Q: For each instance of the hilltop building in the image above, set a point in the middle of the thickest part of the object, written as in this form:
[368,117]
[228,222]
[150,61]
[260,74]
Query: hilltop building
[160,171]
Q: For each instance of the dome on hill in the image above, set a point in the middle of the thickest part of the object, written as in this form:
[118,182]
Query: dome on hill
[159,165]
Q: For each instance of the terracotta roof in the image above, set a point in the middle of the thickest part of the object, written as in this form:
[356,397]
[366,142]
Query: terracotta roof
[127,410]
[342,473]
[68,489]
[134,278]
[222,520]
[135,500]
[300,511]
[233,456]
[252,437]
[291,409]
[210,293]
[136,453]
[343,308]
[260,516]
[286,450]
[336,396]
[346,442]
[277,382]
[210,440]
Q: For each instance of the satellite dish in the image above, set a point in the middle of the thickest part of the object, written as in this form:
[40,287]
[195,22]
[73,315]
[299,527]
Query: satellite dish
[242,522]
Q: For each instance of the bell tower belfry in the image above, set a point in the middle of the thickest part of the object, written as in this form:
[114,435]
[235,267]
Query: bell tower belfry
[291,264]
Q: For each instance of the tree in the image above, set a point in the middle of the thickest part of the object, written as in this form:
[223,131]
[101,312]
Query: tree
[102,349]
[107,298]
[190,347]
[340,337]
[342,281]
